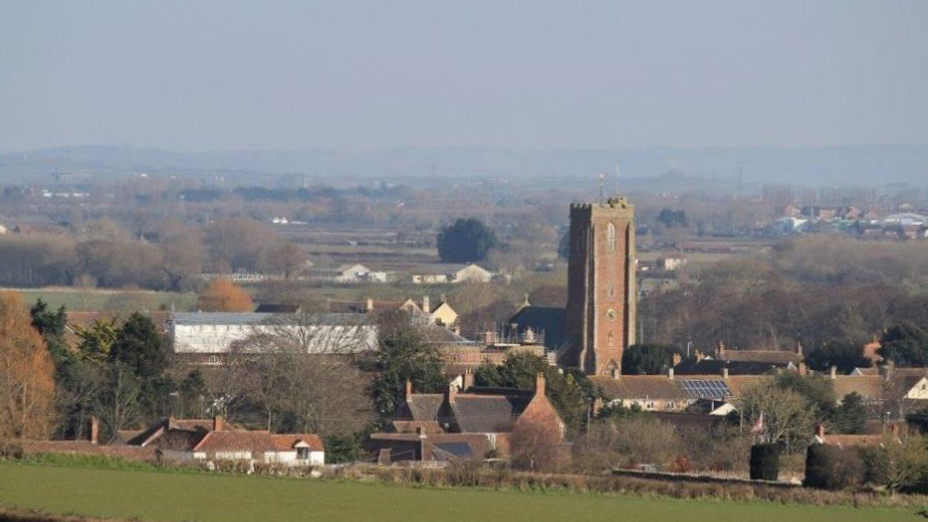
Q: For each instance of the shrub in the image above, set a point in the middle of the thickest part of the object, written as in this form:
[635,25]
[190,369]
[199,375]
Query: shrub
[832,467]
[765,461]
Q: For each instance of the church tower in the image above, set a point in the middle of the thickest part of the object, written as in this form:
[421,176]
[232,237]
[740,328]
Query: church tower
[601,295]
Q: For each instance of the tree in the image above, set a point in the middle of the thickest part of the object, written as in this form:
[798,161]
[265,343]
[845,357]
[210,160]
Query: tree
[183,256]
[403,355]
[851,415]
[288,259]
[97,339]
[140,347]
[672,218]
[780,415]
[119,403]
[51,325]
[536,446]
[239,244]
[647,359]
[222,295]
[815,389]
[905,462]
[846,356]
[27,382]
[465,241]
[906,345]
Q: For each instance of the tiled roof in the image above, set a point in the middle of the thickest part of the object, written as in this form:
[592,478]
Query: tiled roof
[238,441]
[639,387]
[286,442]
[779,357]
[487,413]
[550,321]
[277,308]
[425,406]
[854,440]
[870,387]
[661,387]
[714,366]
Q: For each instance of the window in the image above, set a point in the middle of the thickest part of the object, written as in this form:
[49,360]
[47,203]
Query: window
[610,339]
[302,453]
[610,237]
[611,291]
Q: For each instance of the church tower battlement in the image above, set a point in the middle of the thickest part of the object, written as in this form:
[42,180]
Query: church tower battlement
[601,294]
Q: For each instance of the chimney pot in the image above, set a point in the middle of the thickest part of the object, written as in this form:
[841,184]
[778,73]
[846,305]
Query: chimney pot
[676,359]
[820,431]
[468,379]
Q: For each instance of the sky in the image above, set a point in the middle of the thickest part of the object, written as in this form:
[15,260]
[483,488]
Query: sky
[539,74]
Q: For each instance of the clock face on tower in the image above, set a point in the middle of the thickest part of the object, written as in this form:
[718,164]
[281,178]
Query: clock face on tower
[610,314]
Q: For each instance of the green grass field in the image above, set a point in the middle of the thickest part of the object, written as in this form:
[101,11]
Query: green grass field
[79,300]
[152,495]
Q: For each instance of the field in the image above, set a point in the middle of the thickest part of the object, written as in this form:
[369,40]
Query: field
[79,299]
[165,496]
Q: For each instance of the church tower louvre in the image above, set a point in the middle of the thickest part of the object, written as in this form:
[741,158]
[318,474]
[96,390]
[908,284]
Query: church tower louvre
[601,294]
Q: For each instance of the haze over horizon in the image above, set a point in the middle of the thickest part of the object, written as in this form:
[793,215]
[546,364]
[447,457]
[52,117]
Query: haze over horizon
[225,75]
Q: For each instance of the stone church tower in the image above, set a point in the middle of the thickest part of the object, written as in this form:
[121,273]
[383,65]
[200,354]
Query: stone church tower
[601,295]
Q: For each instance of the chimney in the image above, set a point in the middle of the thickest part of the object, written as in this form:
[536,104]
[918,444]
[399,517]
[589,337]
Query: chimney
[468,379]
[700,356]
[529,335]
[217,423]
[720,349]
[94,430]
[540,384]
[426,306]
[670,374]
[820,430]
[676,359]
[615,373]
[408,394]
[798,348]
[489,337]
[803,369]
[370,304]
[452,393]
[724,373]
[834,372]
[420,430]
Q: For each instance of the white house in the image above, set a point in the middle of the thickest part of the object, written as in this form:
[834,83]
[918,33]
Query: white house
[454,274]
[261,447]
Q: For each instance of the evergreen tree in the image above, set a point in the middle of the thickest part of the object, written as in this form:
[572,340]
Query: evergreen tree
[851,415]
[465,241]
[51,325]
[906,345]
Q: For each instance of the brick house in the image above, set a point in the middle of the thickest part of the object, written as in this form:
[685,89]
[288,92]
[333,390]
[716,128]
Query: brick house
[465,422]
[210,439]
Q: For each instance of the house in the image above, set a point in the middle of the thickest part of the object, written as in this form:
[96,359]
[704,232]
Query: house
[351,273]
[670,264]
[465,422]
[209,439]
[453,274]
[441,314]
[861,440]
[213,333]
[672,393]
[738,362]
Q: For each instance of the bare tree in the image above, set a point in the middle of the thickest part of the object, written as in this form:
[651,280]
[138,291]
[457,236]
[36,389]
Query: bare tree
[777,414]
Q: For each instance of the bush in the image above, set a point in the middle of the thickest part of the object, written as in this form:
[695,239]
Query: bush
[765,461]
[832,467]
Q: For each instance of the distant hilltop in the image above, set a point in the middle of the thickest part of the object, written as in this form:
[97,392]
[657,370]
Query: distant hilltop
[874,165]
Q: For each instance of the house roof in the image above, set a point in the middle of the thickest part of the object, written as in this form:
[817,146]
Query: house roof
[852,440]
[425,406]
[869,387]
[477,413]
[255,441]
[662,387]
[277,308]
[778,357]
[236,318]
[544,319]
[710,366]
[639,387]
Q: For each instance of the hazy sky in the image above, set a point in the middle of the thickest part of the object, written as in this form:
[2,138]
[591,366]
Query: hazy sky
[393,73]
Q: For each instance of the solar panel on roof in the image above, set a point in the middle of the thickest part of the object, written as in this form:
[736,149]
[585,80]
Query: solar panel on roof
[716,390]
